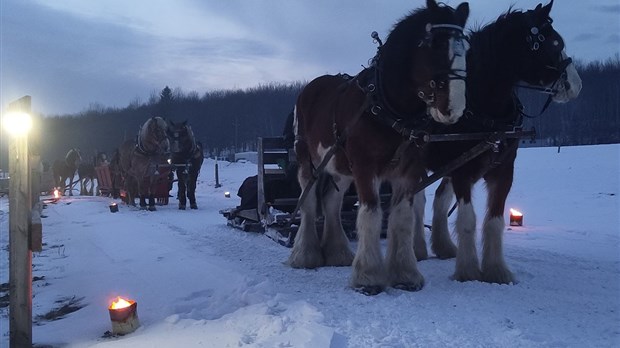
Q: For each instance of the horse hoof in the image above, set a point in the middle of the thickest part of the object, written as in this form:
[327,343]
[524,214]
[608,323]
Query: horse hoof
[193,206]
[143,207]
[369,290]
[409,287]
[181,207]
[152,208]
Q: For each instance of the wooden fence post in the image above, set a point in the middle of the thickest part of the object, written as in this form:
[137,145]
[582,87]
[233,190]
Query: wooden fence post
[20,255]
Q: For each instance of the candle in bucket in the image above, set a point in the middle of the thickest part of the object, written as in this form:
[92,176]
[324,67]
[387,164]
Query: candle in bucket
[113,207]
[516,218]
[124,316]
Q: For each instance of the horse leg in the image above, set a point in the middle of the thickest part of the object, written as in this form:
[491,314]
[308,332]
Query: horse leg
[369,276]
[149,193]
[182,187]
[191,190]
[91,188]
[466,256]
[334,242]
[419,242]
[441,243]
[494,269]
[306,251]
[401,261]
[82,186]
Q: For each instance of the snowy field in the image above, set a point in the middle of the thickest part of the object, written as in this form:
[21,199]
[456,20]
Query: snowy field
[199,283]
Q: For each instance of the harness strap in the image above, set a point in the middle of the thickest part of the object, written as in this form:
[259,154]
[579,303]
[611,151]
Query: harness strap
[319,169]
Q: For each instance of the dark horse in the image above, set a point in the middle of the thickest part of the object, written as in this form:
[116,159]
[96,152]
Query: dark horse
[141,160]
[87,174]
[358,130]
[518,46]
[65,169]
[187,157]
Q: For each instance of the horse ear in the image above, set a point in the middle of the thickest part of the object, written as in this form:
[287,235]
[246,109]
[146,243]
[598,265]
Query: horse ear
[185,123]
[462,12]
[431,4]
[547,9]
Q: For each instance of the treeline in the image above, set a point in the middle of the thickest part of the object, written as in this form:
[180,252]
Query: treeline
[221,120]
[231,120]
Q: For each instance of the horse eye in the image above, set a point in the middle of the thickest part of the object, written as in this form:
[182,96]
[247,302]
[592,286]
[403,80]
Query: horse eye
[556,43]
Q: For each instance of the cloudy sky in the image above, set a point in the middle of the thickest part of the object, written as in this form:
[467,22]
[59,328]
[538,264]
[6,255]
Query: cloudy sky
[69,54]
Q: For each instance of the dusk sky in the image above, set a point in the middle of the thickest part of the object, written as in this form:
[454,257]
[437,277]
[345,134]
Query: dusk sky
[69,54]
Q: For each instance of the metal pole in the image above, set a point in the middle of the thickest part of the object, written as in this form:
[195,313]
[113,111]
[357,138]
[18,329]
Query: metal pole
[20,255]
[217,176]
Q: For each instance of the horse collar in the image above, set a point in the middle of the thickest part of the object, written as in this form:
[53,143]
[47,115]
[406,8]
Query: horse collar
[411,126]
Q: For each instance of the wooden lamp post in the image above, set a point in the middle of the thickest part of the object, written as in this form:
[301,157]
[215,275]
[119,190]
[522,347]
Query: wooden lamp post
[17,123]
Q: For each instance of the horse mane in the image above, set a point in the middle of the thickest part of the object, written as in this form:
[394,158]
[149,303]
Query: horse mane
[410,28]
[491,55]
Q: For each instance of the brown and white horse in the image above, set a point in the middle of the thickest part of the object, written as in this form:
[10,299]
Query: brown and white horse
[141,160]
[367,124]
[518,46]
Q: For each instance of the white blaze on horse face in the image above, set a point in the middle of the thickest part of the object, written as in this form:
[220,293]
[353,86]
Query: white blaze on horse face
[456,103]
[295,122]
[569,87]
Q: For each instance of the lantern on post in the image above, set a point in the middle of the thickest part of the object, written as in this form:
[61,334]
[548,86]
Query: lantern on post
[17,122]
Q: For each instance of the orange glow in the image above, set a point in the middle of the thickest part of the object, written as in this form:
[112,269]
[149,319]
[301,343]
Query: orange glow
[514,212]
[120,303]
[56,194]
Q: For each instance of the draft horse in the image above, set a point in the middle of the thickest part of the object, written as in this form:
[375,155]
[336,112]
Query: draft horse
[65,169]
[361,130]
[141,160]
[87,173]
[518,47]
[187,157]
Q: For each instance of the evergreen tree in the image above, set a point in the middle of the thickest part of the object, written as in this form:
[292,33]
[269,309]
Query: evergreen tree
[165,103]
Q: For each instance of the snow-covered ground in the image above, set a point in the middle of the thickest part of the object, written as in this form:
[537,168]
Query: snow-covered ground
[199,283]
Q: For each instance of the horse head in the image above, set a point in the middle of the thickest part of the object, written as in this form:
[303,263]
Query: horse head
[73,158]
[101,159]
[423,62]
[182,138]
[543,53]
[153,136]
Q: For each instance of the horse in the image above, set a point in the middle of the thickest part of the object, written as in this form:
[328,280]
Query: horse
[87,173]
[65,169]
[187,157]
[518,46]
[361,129]
[140,161]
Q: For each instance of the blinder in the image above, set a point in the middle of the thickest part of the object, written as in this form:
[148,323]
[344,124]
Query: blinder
[427,93]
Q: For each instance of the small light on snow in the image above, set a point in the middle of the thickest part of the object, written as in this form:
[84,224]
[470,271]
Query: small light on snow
[227,194]
[124,316]
[516,217]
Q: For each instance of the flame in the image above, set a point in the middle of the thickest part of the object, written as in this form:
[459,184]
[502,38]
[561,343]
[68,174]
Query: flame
[56,194]
[514,212]
[120,303]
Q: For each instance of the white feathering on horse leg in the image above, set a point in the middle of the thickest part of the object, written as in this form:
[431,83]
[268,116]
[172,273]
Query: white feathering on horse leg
[306,251]
[401,261]
[441,243]
[494,269]
[466,257]
[368,267]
